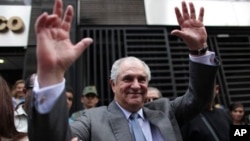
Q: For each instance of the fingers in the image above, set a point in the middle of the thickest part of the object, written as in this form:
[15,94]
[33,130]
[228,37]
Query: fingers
[185,15]
[58,8]
[67,19]
[192,10]
[83,44]
[185,10]
[40,22]
[52,21]
[179,17]
[201,15]
[178,33]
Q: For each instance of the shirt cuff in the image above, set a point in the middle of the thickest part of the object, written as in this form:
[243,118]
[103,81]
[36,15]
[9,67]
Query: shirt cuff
[46,97]
[207,59]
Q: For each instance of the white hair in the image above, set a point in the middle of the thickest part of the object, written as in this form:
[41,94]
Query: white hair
[115,67]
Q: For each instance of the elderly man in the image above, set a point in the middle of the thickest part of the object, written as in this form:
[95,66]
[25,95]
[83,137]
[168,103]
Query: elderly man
[126,118]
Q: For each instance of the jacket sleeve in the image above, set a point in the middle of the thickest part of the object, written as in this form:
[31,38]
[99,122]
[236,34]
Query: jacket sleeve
[52,126]
[199,94]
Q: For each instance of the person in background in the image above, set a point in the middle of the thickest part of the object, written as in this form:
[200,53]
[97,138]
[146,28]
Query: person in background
[89,100]
[21,111]
[70,96]
[212,124]
[218,104]
[129,79]
[17,92]
[153,94]
[237,113]
[8,131]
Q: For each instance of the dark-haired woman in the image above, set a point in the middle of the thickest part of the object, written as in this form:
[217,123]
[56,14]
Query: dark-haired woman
[237,112]
[8,130]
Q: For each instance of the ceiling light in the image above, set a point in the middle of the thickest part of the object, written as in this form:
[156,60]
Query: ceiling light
[1,61]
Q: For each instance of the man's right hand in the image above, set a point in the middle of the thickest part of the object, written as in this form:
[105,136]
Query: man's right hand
[192,31]
[55,52]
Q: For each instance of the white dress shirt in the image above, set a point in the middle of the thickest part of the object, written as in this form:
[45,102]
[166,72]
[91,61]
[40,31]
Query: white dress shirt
[21,119]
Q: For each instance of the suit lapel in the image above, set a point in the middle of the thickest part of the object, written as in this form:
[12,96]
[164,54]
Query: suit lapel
[160,121]
[118,123]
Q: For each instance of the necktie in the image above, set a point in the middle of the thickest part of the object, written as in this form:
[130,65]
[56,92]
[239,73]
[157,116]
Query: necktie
[137,133]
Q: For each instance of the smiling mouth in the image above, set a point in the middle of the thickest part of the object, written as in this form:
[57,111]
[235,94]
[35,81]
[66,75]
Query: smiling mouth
[135,93]
[139,92]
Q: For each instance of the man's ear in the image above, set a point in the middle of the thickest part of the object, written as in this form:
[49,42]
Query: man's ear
[112,84]
[97,100]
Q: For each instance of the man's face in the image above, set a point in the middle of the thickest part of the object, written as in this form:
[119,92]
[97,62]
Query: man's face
[89,100]
[152,95]
[69,96]
[131,87]
[19,90]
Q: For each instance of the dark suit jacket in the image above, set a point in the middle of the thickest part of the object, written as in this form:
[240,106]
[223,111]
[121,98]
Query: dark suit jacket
[108,123]
[197,130]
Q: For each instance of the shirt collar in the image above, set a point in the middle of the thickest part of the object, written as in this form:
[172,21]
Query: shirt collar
[20,111]
[127,113]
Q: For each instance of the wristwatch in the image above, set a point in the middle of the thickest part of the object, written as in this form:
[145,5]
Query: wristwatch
[201,51]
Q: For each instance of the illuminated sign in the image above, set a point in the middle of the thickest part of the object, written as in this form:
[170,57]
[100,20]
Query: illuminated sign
[14,24]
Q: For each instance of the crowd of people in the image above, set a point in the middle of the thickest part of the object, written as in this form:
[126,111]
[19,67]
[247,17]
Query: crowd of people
[37,108]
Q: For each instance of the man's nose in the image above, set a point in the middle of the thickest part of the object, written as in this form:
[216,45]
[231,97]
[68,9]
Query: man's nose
[136,84]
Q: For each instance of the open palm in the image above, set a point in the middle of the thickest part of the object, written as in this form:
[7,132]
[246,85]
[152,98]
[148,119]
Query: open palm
[55,52]
[192,30]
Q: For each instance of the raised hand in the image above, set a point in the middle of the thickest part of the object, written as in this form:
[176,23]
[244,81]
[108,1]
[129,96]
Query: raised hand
[192,30]
[55,52]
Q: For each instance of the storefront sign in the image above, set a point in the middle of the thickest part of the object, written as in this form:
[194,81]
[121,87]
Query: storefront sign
[14,25]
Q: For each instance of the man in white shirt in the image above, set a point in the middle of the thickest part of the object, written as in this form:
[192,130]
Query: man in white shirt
[20,113]
[129,78]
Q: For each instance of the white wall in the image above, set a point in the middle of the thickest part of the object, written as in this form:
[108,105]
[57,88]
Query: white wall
[217,13]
